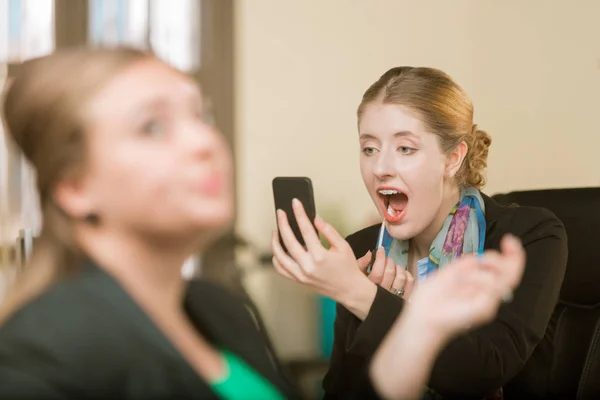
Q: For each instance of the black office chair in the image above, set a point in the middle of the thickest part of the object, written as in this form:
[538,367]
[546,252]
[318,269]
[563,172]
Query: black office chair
[575,371]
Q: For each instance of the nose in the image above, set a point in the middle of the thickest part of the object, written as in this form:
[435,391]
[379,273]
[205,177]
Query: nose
[384,165]
[201,140]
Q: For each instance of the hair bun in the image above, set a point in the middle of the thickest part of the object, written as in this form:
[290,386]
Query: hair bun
[477,157]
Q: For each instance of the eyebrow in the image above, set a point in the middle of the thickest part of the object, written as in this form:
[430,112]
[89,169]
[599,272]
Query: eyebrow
[397,134]
[159,101]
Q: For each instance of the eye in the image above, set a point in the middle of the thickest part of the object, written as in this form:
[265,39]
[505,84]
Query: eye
[153,128]
[369,151]
[406,150]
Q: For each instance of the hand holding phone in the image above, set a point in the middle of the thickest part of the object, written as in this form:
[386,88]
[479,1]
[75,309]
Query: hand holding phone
[285,189]
[333,272]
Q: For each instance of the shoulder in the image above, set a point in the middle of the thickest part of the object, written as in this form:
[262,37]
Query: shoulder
[528,223]
[45,335]
[61,308]
[363,240]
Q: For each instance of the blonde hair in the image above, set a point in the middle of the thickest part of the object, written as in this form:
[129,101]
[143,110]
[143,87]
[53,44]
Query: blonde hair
[445,110]
[43,116]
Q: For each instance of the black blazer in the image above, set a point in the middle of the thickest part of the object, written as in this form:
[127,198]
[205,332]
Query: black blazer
[515,351]
[85,338]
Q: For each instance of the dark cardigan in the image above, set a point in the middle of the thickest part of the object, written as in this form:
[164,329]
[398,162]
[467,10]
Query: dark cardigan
[485,359]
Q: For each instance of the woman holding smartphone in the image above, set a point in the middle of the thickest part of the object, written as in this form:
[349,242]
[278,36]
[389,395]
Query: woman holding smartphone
[133,178]
[422,162]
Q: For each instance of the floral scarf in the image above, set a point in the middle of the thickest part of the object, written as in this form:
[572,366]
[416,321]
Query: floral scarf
[463,232]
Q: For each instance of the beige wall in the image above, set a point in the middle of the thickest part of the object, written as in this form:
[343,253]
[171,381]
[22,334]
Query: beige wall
[532,69]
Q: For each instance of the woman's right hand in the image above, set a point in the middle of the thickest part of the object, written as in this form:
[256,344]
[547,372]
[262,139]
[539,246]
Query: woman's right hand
[462,294]
[469,291]
[393,278]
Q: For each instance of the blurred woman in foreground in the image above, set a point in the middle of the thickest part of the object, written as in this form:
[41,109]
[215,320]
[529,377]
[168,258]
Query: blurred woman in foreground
[133,178]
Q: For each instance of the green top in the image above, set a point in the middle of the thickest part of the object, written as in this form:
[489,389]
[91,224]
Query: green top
[242,382]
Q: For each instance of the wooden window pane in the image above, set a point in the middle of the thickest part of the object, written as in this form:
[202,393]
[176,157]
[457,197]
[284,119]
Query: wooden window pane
[175,32]
[170,27]
[118,22]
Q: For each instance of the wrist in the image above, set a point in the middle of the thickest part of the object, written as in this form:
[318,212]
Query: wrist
[360,297]
[415,320]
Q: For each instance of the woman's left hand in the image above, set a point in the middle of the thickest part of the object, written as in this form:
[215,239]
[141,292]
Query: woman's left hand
[332,272]
[391,277]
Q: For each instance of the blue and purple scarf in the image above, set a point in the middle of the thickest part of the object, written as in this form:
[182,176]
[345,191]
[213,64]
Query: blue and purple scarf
[463,232]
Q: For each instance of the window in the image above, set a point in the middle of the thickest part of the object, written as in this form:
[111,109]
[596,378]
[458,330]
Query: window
[26,29]
[170,27]
[114,22]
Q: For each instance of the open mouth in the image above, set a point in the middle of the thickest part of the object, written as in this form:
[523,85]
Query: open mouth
[393,203]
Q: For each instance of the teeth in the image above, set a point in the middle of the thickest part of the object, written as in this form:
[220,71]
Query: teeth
[390,211]
[388,192]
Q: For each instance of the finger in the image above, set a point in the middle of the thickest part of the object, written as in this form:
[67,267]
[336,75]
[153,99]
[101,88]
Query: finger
[483,281]
[508,270]
[284,261]
[313,243]
[389,275]
[500,266]
[410,282]
[364,261]
[400,278]
[336,240]
[282,271]
[378,266]
[512,247]
[294,247]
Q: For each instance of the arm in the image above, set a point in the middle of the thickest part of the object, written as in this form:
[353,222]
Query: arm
[363,335]
[407,346]
[486,359]
[355,339]
[413,344]
[334,382]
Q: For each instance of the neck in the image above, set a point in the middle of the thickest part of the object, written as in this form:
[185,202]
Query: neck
[149,273]
[421,243]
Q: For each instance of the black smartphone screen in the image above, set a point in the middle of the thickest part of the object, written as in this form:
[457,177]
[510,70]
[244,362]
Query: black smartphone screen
[285,189]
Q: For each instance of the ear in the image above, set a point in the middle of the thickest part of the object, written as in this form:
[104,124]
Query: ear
[71,196]
[456,158]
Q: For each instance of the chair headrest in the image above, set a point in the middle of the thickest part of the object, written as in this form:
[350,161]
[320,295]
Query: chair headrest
[579,210]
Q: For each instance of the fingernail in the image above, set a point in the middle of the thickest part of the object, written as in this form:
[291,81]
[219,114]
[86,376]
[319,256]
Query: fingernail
[295,202]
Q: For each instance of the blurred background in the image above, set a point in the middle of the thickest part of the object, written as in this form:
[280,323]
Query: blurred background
[286,76]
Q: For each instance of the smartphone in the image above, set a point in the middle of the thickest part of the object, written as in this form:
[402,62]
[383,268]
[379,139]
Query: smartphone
[285,189]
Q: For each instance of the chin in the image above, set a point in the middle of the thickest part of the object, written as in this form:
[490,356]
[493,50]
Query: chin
[218,221]
[402,231]
[209,228]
